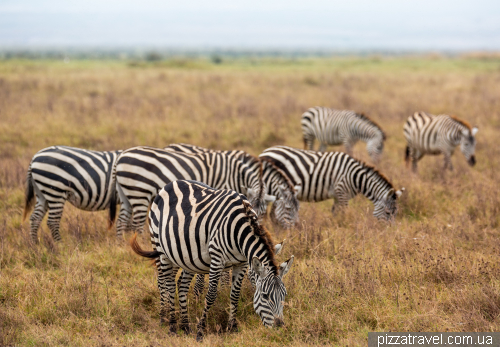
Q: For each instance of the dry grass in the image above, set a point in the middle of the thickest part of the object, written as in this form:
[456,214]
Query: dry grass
[435,269]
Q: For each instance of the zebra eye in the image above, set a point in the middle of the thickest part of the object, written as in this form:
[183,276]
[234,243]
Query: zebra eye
[265,296]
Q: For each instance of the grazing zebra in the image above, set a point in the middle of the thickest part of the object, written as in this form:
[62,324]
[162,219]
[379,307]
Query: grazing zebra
[58,174]
[429,134]
[336,127]
[285,208]
[140,172]
[205,230]
[326,175]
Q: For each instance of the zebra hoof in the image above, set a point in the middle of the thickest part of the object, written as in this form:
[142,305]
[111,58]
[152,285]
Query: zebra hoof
[173,329]
[199,336]
[232,327]
[186,328]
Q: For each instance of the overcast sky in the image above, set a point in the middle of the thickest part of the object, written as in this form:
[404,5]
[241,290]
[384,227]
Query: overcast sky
[271,24]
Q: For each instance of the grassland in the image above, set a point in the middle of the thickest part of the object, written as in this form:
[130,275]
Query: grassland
[435,269]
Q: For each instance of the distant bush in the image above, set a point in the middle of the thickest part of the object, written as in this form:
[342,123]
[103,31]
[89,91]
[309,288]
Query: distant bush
[216,59]
[153,56]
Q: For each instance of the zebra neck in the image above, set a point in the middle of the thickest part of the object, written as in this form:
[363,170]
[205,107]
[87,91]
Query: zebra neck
[371,134]
[254,246]
[371,184]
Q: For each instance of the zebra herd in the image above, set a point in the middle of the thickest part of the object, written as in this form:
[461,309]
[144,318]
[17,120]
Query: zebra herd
[206,207]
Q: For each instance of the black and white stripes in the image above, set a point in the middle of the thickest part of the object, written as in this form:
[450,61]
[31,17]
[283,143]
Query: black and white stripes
[336,127]
[429,134]
[334,175]
[285,206]
[141,172]
[204,230]
[59,174]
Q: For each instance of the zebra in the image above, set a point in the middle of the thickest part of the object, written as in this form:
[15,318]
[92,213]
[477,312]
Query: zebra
[58,174]
[140,172]
[326,175]
[429,134]
[285,208]
[335,127]
[205,230]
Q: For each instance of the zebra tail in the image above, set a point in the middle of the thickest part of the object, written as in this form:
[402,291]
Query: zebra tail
[407,154]
[138,250]
[29,194]
[112,206]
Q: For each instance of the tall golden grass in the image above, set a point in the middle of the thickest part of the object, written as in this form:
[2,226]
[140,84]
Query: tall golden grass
[435,269]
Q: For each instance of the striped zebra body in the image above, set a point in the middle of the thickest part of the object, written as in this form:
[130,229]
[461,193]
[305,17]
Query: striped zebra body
[58,174]
[204,230]
[429,134]
[337,127]
[326,175]
[285,208]
[142,171]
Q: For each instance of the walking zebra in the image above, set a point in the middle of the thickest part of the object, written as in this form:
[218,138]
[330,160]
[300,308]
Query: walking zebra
[326,175]
[204,230]
[58,174]
[285,208]
[429,134]
[336,127]
[140,172]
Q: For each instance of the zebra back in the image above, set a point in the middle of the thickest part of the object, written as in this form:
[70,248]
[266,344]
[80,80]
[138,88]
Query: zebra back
[336,127]
[81,176]
[142,171]
[324,175]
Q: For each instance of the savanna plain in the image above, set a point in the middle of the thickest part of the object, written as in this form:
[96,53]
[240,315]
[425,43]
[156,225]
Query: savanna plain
[435,268]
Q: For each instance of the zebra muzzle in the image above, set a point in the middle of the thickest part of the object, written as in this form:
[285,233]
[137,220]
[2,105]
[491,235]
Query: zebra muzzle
[278,322]
[472,160]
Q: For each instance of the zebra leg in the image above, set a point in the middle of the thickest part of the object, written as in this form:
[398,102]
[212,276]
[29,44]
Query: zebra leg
[322,147]
[140,214]
[308,142]
[55,214]
[415,157]
[225,278]
[348,148]
[199,285]
[183,289]
[213,283]
[166,286]
[124,220]
[447,162]
[36,218]
[238,274]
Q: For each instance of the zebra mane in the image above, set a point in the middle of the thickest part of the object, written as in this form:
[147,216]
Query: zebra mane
[461,121]
[281,172]
[369,120]
[374,170]
[263,234]
[251,160]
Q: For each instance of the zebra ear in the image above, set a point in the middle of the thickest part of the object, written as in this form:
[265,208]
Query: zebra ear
[285,267]
[389,193]
[257,267]
[400,192]
[474,131]
[279,247]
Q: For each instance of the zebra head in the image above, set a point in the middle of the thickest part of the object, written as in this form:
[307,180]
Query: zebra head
[285,209]
[468,145]
[252,276]
[386,207]
[375,147]
[270,292]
